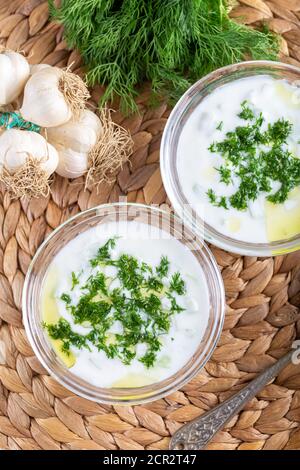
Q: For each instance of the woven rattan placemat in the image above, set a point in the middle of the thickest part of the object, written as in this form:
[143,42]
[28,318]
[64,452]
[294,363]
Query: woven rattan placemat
[263,295]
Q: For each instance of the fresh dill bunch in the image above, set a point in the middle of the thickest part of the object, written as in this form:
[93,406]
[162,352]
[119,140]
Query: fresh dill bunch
[170,43]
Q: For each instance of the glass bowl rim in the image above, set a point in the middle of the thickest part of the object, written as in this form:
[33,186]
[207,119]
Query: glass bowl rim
[167,158]
[138,395]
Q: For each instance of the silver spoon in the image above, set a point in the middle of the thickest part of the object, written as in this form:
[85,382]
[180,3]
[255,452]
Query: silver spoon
[196,434]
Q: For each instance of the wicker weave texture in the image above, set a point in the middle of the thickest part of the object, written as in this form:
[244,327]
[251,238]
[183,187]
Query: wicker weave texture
[263,295]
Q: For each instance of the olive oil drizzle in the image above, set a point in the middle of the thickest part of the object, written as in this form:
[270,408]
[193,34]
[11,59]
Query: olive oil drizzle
[136,305]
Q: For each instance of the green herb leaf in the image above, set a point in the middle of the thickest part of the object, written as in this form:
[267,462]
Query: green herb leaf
[220,126]
[170,43]
[244,154]
[177,284]
[163,267]
[136,305]
[75,280]
[225,174]
[103,254]
[66,298]
[247,114]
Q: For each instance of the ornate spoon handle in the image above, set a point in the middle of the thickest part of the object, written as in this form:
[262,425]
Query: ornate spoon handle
[196,434]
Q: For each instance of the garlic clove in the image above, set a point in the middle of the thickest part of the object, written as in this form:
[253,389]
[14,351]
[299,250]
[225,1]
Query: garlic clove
[16,146]
[43,103]
[50,163]
[80,136]
[52,96]
[6,70]
[37,68]
[14,72]
[90,119]
[73,141]
[71,164]
[1,154]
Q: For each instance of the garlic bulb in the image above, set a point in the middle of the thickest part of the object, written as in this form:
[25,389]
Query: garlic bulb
[16,146]
[73,141]
[71,164]
[44,103]
[52,96]
[37,68]
[14,73]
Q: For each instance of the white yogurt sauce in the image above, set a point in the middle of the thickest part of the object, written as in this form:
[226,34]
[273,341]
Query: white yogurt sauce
[276,99]
[187,328]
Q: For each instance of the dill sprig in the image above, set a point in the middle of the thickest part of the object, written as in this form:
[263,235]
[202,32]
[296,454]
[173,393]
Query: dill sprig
[170,43]
[136,305]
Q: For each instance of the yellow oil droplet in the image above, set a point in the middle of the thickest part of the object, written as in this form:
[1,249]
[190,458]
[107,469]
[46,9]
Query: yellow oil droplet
[209,173]
[233,224]
[51,315]
[288,95]
[283,223]
[133,380]
[295,150]
[111,339]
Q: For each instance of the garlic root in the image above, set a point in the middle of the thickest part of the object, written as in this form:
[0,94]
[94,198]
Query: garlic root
[92,145]
[112,150]
[74,91]
[27,160]
[30,180]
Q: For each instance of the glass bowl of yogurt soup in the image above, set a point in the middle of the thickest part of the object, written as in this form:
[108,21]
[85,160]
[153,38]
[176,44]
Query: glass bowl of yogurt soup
[230,158]
[123,303]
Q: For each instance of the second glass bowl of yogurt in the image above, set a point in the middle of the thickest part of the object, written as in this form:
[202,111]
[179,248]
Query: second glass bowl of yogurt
[228,142]
[123,303]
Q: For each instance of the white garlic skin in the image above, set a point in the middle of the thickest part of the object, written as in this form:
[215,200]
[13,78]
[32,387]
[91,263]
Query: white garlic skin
[17,145]
[71,164]
[37,68]
[43,103]
[14,73]
[73,141]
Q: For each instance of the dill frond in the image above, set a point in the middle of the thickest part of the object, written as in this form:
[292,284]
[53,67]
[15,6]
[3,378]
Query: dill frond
[171,43]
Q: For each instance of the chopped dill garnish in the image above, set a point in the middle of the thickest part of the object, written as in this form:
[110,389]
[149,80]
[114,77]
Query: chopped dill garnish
[279,131]
[225,174]
[212,196]
[62,329]
[136,304]
[75,280]
[163,267]
[66,298]
[219,201]
[223,202]
[96,284]
[177,284]
[258,158]
[247,113]
[220,126]
[103,254]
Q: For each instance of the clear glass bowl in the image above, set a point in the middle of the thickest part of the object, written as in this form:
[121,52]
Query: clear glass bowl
[183,109]
[32,314]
